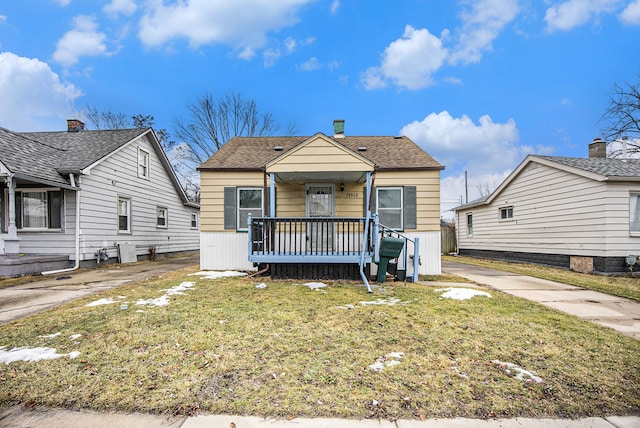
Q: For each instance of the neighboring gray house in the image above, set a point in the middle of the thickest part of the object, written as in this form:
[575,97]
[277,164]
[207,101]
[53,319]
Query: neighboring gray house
[578,213]
[71,198]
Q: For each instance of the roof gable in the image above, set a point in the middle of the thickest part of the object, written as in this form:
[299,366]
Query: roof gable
[596,169]
[317,154]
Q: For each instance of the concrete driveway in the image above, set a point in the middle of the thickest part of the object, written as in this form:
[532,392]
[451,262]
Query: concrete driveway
[618,313]
[42,293]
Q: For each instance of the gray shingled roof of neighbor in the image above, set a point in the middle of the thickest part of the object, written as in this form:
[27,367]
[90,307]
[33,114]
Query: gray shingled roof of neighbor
[49,157]
[608,167]
[84,148]
[386,152]
[30,159]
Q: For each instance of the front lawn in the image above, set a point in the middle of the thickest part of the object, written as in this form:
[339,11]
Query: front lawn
[288,350]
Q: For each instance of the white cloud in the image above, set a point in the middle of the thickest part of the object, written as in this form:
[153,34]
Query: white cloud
[482,23]
[631,14]
[311,64]
[64,3]
[573,13]
[487,145]
[335,5]
[408,62]
[83,40]
[33,97]
[241,24]
[120,7]
[3,18]
[487,150]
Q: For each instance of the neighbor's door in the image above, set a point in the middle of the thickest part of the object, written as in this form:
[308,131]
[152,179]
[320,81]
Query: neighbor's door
[320,203]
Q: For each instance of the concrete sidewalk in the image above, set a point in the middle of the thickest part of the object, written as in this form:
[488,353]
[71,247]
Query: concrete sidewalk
[618,313]
[19,417]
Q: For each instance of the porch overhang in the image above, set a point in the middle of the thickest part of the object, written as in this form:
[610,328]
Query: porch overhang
[321,177]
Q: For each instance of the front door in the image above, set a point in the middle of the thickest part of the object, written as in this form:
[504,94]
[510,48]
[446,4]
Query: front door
[320,203]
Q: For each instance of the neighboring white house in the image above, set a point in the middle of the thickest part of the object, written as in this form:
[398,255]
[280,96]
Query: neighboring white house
[84,194]
[578,213]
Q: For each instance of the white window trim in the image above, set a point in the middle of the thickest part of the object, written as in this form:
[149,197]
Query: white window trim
[243,227]
[194,216]
[469,230]
[143,154]
[505,209]
[634,195]
[36,190]
[401,189]
[128,200]
[166,217]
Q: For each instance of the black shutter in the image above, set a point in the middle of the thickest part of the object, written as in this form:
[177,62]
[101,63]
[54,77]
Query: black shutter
[54,204]
[410,214]
[230,208]
[18,210]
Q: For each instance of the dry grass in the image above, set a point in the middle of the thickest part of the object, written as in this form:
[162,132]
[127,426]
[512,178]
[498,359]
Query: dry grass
[615,285]
[288,351]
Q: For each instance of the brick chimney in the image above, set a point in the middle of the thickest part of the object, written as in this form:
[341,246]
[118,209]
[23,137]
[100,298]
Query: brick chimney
[74,125]
[338,128]
[598,148]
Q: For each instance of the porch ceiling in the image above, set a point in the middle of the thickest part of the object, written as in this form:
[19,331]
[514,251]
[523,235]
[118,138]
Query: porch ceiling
[321,176]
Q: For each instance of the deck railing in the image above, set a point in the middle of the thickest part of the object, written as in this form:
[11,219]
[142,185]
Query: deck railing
[315,237]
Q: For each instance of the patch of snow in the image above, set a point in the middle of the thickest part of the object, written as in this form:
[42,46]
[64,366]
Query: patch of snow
[218,274]
[461,293]
[50,336]
[389,302]
[315,285]
[164,299]
[158,301]
[390,360]
[517,372]
[75,336]
[261,285]
[26,353]
[107,301]
[181,288]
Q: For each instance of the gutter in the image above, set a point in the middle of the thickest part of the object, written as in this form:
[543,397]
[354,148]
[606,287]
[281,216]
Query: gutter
[77,263]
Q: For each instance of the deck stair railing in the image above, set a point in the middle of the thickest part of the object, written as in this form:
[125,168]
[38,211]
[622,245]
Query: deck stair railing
[408,256]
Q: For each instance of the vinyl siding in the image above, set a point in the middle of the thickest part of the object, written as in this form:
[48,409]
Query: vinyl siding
[55,241]
[319,155]
[117,176]
[554,212]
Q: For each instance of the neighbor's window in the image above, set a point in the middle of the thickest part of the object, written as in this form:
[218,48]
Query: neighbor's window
[389,200]
[38,209]
[506,213]
[161,217]
[249,201]
[124,215]
[143,163]
[469,224]
[194,221]
[634,213]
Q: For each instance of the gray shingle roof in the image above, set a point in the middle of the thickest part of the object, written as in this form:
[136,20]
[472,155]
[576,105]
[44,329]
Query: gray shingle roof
[49,156]
[608,167]
[384,151]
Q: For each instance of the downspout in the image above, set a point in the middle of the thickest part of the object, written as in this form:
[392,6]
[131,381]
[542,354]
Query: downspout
[77,263]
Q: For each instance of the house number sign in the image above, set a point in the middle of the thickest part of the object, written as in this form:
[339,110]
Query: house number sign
[352,195]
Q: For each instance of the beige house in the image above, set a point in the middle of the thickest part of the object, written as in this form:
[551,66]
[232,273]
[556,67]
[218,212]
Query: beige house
[316,207]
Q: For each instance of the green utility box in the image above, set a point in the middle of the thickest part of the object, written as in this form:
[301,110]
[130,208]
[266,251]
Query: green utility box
[390,248]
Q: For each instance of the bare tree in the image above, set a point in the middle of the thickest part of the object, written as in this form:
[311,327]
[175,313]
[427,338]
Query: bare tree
[623,118]
[106,119]
[214,122]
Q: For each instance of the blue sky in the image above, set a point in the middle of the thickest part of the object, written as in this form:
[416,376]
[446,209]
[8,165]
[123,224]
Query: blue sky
[479,84]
